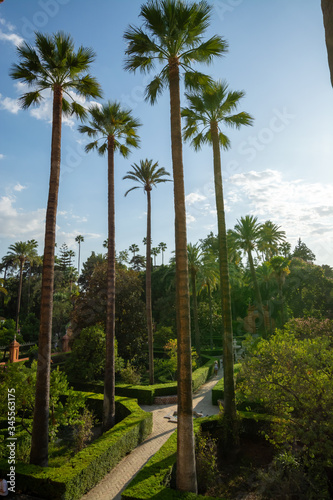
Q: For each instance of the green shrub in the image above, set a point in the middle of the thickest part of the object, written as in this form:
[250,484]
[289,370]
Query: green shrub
[89,466]
[130,375]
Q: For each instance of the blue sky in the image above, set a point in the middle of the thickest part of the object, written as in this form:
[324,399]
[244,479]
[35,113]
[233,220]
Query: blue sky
[279,169]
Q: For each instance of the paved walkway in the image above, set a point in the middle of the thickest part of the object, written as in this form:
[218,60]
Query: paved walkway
[115,482]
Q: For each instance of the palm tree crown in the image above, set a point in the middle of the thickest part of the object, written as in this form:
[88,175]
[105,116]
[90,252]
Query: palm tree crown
[148,174]
[53,64]
[113,123]
[172,34]
[212,105]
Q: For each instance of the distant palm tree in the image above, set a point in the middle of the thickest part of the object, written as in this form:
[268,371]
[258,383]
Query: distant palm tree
[134,248]
[209,278]
[155,251]
[162,246]
[280,270]
[270,238]
[246,235]
[148,175]
[52,64]
[172,35]
[211,108]
[20,253]
[194,263]
[116,128]
[79,239]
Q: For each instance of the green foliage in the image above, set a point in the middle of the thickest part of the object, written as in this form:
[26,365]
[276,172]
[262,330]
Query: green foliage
[90,465]
[87,359]
[30,328]
[83,430]
[8,332]
[63,411]
[130,375]
[162,335]
[292,375]
[206,460]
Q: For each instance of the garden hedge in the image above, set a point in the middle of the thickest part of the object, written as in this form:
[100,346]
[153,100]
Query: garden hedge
[218,389]
[145,394]
[89,466]
[152,480]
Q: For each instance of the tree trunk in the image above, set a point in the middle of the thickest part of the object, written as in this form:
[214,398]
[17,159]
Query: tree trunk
[19,294]
[195,313]
[327,8]
[109,377]
[186,471]
[210,315]
[228,357]
[148,291]
[40,429]
[257,290]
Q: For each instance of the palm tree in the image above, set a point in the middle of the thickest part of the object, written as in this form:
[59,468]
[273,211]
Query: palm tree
[280,269]
[133,248]
[210,108]
[208,278]
[326,6]
[194,263]
[148,175]
[172,34]
[20,253]
[246,235]
[79,239]
[270,238]
[116,128]
[51,65]
[155,251]
[162,246]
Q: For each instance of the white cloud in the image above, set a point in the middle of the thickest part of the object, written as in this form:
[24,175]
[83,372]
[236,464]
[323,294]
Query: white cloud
[194,198]
[18,187]
[7,35]
[301,208]
[11,37]
[11,105]
[17,224]
[2,156]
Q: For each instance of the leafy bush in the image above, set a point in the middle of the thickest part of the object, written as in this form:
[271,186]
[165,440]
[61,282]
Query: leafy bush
[21,380]
[87,359]
[293,377]
[130,375]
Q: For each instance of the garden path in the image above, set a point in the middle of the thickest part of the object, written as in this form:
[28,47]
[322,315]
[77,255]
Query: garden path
[115,482]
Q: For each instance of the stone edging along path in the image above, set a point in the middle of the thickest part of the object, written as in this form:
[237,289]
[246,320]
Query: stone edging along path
[117,479]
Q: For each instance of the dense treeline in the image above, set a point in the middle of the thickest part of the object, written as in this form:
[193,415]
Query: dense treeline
[291,285]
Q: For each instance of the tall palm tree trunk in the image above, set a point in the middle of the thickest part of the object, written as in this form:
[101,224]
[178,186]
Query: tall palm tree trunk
[148,291]
[228,360]
[195,312]
[257,290]
[40,437]
[19,294]
[186,471]
[109,378]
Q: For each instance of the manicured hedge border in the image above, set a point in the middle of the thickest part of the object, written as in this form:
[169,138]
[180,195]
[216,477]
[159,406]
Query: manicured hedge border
[150,482]
[218,389]
[89,466]
[146,394]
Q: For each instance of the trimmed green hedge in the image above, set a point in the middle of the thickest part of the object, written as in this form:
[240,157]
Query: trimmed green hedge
[151,481]
[145,394]
[90,465]
[218,389]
